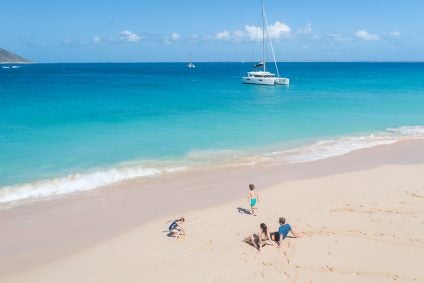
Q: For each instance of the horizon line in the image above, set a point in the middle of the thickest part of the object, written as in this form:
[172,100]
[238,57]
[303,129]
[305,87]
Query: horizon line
[179,62]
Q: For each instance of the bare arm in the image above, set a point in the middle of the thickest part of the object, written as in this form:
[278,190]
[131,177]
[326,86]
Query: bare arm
[295,234]
[270,240]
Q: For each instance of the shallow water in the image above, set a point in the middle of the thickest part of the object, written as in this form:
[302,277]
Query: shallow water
[70,127]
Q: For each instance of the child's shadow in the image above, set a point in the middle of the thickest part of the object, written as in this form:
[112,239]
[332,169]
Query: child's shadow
[244,210]
[169,234]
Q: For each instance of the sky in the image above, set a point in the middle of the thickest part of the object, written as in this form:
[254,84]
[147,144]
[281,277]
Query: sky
[168,31]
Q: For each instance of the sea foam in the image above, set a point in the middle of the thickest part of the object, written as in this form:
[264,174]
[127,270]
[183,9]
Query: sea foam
[335,147]
[317,150]
[77,182]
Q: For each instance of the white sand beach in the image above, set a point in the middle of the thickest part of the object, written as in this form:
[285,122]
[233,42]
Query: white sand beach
[361,217]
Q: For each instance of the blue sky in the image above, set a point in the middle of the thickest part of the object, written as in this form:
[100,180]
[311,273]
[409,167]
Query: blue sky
[165,30]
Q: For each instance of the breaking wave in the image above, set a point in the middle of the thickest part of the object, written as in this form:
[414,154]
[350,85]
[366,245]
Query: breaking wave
[312,151]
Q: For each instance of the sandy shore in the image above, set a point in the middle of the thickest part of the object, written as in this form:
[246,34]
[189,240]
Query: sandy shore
[361,214]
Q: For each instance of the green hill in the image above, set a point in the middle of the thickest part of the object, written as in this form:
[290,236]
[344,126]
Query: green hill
[9,57]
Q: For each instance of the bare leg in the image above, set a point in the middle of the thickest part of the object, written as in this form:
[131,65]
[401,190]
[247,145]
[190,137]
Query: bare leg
[255,241]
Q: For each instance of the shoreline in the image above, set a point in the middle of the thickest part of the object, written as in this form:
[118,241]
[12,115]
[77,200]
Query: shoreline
[34,234]
[19,193]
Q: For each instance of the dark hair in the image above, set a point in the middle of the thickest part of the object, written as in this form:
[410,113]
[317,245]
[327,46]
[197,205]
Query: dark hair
[181,219]
[282,220]
[264,229]
[251,187]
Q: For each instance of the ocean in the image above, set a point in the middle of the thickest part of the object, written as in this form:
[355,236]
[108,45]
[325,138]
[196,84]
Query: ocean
[73,127]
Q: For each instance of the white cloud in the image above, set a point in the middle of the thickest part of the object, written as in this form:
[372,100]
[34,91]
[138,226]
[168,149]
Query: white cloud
[277,30]
[175,36]
[306,29]
[223,35]
[394,34]
[252,33]
[97,39]
[129,36]
[172,38]
[71,42]
[364,35]
[337,36]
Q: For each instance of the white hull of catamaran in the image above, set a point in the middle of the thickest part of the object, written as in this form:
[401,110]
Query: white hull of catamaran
[282,81]
[265,81]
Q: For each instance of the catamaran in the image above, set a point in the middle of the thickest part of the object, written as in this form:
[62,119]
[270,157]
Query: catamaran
[191,64]
[264,77]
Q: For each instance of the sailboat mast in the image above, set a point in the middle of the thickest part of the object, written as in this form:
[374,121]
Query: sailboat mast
[270,43]
[263,35]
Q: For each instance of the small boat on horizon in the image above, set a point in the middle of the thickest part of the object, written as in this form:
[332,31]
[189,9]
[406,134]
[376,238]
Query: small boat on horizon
[10,67]
[264,77]
[191,64]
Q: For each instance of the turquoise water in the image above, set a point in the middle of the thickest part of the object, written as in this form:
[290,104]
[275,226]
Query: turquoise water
[57,120]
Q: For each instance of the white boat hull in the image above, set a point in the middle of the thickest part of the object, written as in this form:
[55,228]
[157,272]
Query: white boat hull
[282,81]
[265,81]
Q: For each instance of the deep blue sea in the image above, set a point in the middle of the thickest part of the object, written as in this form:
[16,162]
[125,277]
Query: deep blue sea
[72,127]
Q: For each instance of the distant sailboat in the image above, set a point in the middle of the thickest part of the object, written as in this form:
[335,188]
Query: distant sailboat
[263,77]
[191,64]
[10,67]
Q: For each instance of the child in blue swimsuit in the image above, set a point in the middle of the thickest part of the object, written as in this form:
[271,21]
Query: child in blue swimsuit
[253,198]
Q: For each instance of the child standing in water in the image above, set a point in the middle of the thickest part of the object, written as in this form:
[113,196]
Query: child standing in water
[253,198]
